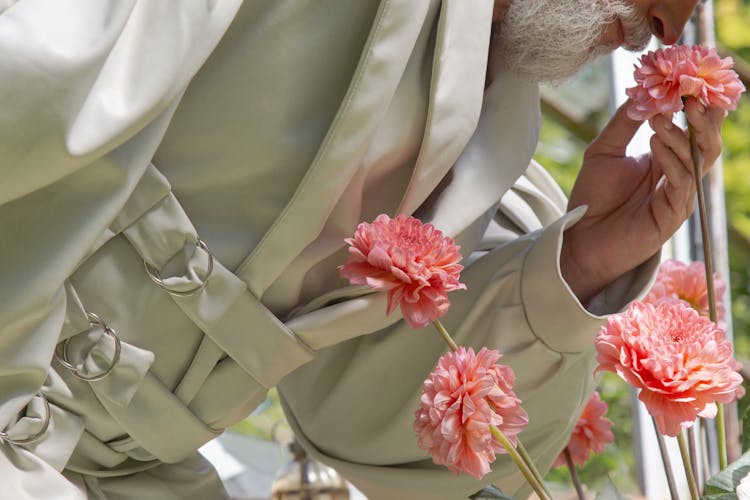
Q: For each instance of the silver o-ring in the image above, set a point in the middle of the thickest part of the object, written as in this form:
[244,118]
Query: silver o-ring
[37,435]
[63,358]
[155,275]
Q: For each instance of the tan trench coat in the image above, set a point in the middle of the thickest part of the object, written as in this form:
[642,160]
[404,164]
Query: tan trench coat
[128,134]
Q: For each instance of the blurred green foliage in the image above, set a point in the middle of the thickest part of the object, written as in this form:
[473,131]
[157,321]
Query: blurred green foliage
[733,31]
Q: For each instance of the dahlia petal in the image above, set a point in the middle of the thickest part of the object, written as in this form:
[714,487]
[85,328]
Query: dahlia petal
[399,257]
[475,465]
[400,275]
[670,417]
[709,411]
[417,315]
[379,258]
[380,282]
[691,86]
[467,409]
[394,299]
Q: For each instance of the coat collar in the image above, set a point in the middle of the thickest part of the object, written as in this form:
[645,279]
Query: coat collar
[395,30]
[456,92]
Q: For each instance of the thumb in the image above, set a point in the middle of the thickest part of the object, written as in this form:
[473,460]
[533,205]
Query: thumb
[615,137]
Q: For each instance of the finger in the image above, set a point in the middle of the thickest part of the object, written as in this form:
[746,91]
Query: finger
[674,138]
[717,117]
[618,133]
[679,188]
[706,126]
[695,111]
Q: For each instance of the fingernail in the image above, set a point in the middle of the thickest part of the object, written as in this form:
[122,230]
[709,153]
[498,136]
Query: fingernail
[668,124]
[702,109]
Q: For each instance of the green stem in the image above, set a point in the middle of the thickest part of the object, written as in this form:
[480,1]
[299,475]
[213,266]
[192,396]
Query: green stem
[721,432]
[708,261]
[446,336]
[516,457]
[527,458]
[692,449]
[688,466]
[573,473]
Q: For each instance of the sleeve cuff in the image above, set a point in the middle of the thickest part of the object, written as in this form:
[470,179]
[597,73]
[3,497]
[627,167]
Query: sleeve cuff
[554,313]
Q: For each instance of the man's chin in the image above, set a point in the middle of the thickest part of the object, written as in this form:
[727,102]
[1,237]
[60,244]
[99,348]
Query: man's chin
[558,69]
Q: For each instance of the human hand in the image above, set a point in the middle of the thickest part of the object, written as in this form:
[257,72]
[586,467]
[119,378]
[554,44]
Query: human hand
[634,204]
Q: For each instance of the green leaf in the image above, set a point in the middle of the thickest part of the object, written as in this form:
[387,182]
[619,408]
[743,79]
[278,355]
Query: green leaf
[609,492]
[727,480]
[720,496]
[490,491]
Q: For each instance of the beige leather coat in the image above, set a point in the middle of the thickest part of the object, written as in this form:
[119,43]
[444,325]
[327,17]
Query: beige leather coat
[177,181]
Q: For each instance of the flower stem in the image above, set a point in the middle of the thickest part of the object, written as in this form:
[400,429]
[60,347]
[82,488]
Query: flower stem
[721,436]
[667,463]
[530,463]
[693,449]
[516,457]
[573,473]
[708,261]
[688,466]
[702,213]
[446,336]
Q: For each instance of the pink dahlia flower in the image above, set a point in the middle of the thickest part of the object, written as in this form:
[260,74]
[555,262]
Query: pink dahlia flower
[462,397]
[668,74]
[591,433]
[411,261]
[680,282]
[714,82]
[680,361]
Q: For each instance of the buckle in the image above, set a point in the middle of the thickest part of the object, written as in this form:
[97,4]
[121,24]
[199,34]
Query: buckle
[37,435]
[64,359]
[155,274]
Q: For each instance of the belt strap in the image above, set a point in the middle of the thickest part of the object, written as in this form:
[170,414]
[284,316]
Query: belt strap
[220,304]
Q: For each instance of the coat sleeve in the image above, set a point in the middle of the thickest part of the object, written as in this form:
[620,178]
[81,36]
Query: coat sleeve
[535,206]
[353,406]
[87,90]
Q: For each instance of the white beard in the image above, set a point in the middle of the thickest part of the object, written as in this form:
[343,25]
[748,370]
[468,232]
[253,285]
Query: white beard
[550,40]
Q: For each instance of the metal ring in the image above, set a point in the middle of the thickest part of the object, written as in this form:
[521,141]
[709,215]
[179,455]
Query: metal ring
[64,359]
[39,433]
[155,275]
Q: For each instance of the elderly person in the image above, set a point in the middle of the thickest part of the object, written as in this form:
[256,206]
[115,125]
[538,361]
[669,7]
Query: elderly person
[178,179]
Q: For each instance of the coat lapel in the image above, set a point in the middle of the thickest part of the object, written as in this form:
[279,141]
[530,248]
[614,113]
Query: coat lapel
[395,30]
[456,91]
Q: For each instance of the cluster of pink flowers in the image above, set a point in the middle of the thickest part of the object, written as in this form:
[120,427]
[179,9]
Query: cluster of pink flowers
[669,74]
[415,263]
[462,397]
[681,362]
[592,432]
[467,393]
